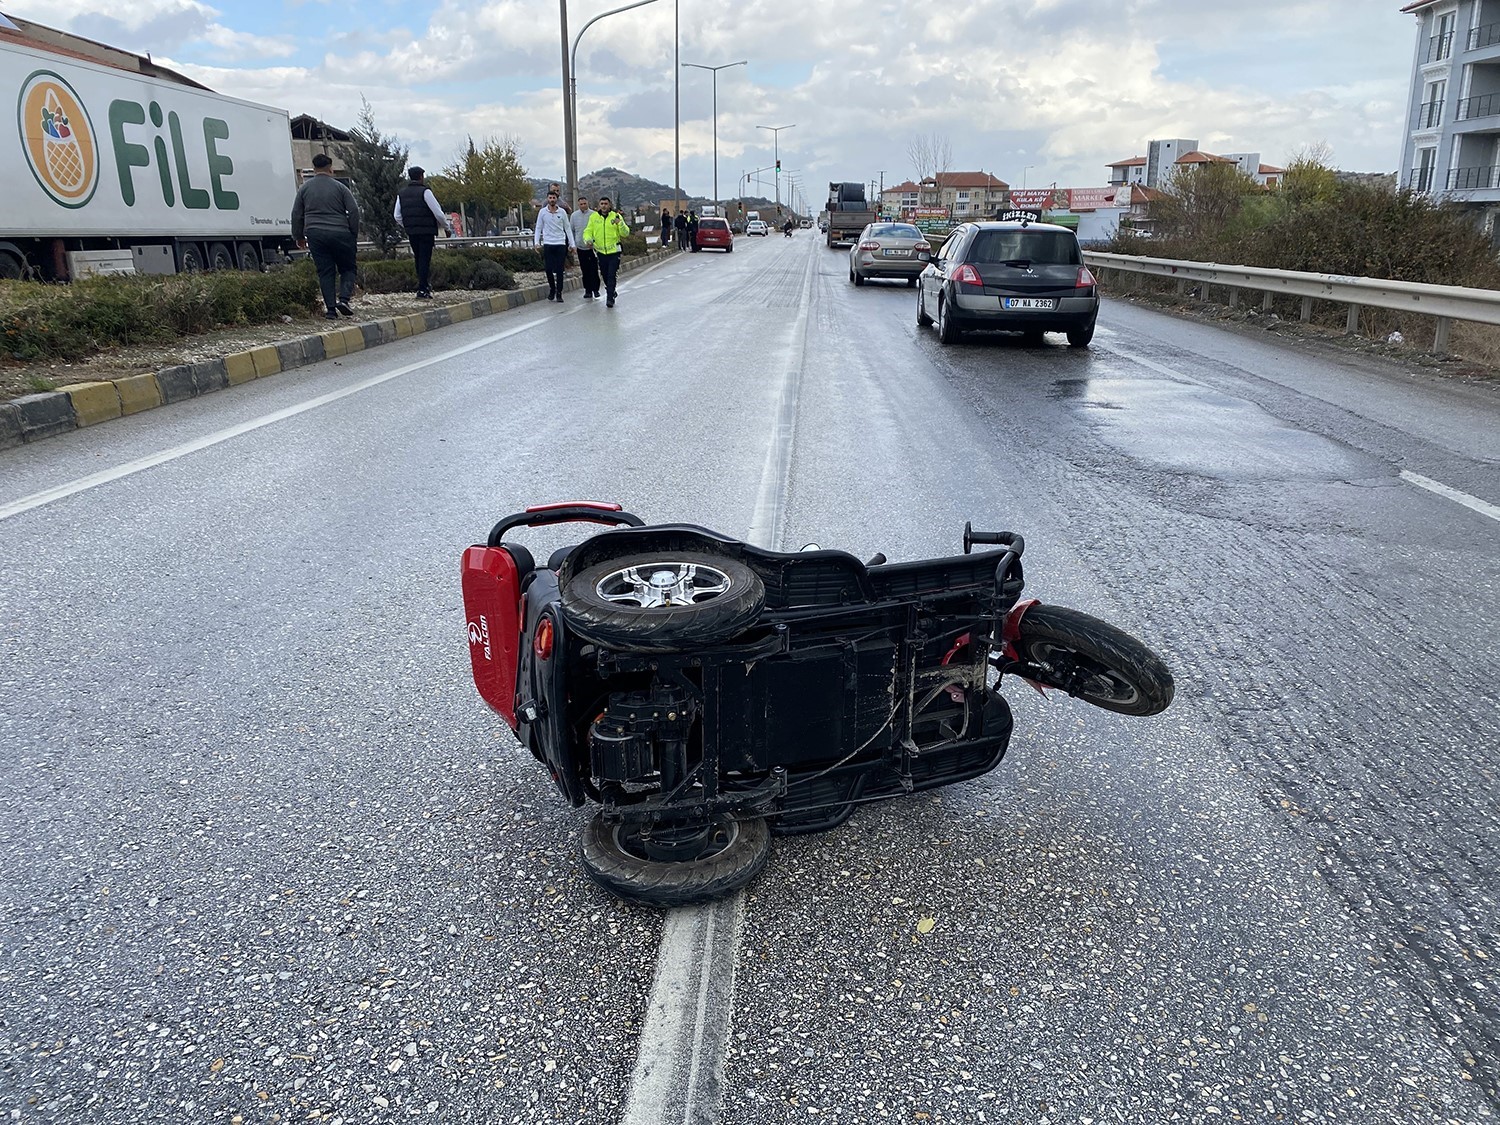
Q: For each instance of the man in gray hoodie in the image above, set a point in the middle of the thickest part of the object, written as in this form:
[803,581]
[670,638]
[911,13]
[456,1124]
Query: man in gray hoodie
[325,221]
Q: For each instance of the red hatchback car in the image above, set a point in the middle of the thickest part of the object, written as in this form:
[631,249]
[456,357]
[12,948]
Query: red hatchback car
[715,233]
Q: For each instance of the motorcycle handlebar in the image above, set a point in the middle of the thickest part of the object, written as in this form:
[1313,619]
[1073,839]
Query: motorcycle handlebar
[1011,539]
[548,514]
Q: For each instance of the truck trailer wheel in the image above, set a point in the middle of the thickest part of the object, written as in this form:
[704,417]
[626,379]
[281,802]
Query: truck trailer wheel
[189,257]
[250,258]
[220,257]
[10,267]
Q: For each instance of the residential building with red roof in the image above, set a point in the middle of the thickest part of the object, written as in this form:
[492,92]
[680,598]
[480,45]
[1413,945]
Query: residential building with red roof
[1165,158]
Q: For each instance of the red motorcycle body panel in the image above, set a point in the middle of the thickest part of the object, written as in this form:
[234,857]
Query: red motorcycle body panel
[492,602]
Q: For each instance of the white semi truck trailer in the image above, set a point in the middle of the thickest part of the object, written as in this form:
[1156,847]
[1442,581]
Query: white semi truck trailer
[114,171]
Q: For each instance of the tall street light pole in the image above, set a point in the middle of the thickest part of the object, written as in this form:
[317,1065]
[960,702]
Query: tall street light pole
[677,107]
[715,71]
[776,152]
[570,92]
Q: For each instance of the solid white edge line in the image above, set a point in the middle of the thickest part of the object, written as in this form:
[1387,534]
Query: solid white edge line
[1473,503]
[672,1049]
[106,476]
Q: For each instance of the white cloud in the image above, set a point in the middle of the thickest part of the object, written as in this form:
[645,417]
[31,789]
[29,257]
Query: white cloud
[245,44]
[1063,86]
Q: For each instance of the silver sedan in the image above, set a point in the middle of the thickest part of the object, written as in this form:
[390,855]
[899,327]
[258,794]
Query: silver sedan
[888,250]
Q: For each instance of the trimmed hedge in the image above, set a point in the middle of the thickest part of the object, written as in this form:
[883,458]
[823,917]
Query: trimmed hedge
[459,267]
[70,322]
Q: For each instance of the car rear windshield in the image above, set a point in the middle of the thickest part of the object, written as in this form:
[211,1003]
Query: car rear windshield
[711,224]
[894,230]
[1036,246]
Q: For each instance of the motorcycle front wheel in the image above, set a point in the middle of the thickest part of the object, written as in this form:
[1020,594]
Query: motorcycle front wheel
[1090,659]
[622,860]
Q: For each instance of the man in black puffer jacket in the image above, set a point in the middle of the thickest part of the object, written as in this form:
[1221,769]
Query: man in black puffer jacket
[418,213]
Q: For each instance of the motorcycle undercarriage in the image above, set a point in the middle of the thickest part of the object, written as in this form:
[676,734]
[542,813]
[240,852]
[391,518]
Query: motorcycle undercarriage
[683,777]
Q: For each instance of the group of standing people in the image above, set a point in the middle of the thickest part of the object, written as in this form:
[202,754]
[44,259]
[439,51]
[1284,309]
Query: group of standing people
[596,236]
[325,222]
[684,228]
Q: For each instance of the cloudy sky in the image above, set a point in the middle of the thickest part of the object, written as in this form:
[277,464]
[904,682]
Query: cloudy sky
[1035,91]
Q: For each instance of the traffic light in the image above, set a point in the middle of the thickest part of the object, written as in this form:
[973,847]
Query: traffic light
[778,166]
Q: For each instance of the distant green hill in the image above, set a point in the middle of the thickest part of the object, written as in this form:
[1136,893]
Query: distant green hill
[631,191]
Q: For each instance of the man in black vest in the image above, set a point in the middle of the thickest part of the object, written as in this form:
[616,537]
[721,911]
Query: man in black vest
[418,213]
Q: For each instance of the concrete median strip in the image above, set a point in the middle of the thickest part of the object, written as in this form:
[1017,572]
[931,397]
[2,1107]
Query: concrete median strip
[38,416]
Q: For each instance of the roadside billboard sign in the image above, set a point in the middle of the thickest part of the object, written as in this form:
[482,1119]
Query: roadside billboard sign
[1091,199]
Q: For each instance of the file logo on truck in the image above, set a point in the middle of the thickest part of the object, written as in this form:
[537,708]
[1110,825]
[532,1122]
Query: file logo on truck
[58,139]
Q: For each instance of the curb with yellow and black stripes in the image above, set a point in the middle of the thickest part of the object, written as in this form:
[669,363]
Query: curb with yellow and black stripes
[39,416]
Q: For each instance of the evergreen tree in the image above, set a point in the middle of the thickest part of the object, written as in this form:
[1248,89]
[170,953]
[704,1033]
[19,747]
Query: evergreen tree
[377,165]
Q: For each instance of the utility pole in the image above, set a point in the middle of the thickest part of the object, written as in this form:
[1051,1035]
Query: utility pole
[776,131]
[714,70]
[569,170]
[677,103]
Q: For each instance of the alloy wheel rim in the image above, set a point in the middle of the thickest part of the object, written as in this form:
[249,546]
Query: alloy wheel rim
[658,585]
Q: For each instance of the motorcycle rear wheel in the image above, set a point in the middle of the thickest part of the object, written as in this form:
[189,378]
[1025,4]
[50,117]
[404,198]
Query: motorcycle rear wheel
[1090,659]
[612,603]
[734,852]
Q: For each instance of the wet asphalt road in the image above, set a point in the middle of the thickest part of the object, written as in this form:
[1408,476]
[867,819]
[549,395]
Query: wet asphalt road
[266,857]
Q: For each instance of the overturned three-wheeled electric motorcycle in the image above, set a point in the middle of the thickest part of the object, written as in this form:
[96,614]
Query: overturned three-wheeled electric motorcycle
[707,693]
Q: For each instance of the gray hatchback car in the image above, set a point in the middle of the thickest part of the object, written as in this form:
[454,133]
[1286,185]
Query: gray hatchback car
[1011,276]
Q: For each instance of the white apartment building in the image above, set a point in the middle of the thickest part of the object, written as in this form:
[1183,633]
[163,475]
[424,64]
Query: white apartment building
[1452,145]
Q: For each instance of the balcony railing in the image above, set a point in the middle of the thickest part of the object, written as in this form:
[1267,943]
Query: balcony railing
[1485,36]
[1485,105]
[1439,47]
[1474,179]
[1430,114]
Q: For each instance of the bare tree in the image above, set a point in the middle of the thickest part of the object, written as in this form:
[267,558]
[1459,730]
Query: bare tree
[929,153]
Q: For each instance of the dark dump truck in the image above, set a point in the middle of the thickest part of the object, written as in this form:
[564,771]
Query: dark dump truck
[848,213]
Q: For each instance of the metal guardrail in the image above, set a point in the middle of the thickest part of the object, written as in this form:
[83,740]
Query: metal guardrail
[1445,303]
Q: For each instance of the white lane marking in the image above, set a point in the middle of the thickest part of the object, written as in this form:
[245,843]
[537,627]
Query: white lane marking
[679,1068]
[1473,503]
[106,476]
[679,1062]
[770,497]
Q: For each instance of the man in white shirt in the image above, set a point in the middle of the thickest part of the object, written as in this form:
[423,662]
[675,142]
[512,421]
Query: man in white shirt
[554,234]
[418,213]
[588,261]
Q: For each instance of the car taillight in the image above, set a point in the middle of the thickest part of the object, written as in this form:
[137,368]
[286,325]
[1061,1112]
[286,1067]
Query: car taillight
[1085,279]
[967,275]
[921,248]
[869,246]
